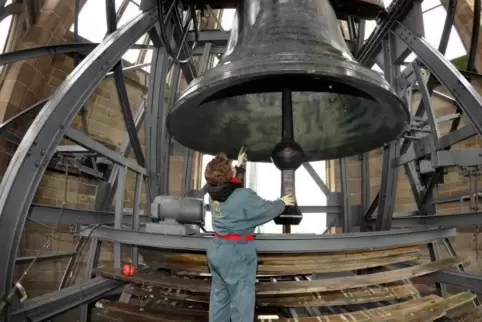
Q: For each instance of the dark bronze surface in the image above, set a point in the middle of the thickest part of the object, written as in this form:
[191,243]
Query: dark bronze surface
[364,9]
[340,108]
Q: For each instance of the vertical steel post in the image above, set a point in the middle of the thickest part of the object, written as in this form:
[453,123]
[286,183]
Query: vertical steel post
[435,256]
[154,125]
[345,191]
[135,214]
[119,209]
[92,262]
[388,186]
[389,180]
[365,187]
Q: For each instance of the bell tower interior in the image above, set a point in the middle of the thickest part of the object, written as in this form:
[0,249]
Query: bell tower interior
[368,111]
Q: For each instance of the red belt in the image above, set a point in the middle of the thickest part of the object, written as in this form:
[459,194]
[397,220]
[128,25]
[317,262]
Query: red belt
[235,237]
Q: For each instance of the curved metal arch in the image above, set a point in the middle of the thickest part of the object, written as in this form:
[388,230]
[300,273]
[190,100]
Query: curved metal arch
[50,50]
[279,243]
[28,164]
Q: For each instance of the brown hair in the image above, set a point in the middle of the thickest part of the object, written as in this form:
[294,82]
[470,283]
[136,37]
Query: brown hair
[218,170]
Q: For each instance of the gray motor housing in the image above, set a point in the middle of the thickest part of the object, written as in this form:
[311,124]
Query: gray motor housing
[184,210]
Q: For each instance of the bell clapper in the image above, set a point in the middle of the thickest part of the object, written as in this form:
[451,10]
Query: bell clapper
[288,156]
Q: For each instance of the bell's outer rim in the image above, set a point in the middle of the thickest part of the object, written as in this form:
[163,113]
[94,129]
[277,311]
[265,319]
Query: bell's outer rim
[213,81]
[322,65]
[236,72]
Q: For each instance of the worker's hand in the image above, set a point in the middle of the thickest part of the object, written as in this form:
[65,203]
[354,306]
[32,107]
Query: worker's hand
[243,155]
[289,200]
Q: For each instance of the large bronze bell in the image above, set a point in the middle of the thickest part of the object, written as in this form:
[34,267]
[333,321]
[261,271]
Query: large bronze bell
[339,107]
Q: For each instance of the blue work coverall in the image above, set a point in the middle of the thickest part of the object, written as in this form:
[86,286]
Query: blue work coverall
[233,264]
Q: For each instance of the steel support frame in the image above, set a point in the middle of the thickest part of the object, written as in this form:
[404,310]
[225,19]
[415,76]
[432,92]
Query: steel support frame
[157,160]
[280,243]
[35,147]
[32,156]
[464,96]
[46,215]
[48,306]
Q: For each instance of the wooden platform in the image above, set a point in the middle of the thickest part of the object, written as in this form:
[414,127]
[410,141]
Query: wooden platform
[326,287]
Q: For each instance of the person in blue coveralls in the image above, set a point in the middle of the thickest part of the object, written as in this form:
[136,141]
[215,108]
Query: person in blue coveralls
[232,256]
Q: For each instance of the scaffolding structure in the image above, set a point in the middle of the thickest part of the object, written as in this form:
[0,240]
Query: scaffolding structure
[399,32]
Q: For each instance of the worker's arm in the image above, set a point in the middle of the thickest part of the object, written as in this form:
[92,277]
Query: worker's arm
[256,210]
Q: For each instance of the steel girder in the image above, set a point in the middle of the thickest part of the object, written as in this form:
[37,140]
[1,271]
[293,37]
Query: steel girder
[272,243]
[36,146]
[70,216]
[47,306]
[157,153]
[27,166]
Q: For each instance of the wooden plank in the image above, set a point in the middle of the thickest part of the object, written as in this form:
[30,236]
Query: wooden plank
[454,301]
[354,296]
[424,309]
[123,312]
[358,281]
[429,308]
[286,288]
[299,268]
[401,312]
[153,256]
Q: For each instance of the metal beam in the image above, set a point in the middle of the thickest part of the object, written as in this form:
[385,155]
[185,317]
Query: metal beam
[373,45]
[124,150]
[424,146]
[11,9]
[464,280]
[463,92]
[27,166]
[388,186]
[278,243]
[314,175]
[36,52]
[345,192]
[92,145]
[120,85]
[71,216]
[44,307]
[216,38]
[43,258]
[455,220]
[154,124]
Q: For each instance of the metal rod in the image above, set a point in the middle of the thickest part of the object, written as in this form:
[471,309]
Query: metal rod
[287,116]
